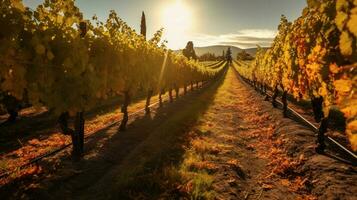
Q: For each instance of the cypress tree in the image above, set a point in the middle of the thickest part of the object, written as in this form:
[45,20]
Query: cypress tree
[143,25]
[229,55]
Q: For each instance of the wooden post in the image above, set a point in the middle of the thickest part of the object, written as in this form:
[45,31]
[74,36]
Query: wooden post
[316,103]
[78,137]
[148,98]
[124,110]
[63,123]
[285,103]
[275,95]
[321,136]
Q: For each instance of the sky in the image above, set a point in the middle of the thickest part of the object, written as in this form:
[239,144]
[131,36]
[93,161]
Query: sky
[240,23]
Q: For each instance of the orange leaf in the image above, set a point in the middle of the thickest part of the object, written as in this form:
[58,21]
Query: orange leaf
[285,182]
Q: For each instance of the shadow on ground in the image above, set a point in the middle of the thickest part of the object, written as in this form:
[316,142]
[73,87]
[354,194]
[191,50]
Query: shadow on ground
[131,164]
[42,124]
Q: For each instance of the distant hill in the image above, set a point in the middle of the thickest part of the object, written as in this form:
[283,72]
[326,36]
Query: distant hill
[218,49]
[253,51]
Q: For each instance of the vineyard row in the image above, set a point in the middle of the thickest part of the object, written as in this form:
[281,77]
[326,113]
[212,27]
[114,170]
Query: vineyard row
[314,58]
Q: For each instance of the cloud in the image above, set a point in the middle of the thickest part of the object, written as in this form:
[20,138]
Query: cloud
[258,33]
[247,44]
[247,38]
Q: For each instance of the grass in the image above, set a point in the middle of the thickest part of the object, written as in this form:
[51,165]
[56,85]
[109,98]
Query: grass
[201,187]
[202,146]
[203,157]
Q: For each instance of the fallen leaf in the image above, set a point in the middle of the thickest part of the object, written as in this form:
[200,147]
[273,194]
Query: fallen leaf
[266,186]
[285,182]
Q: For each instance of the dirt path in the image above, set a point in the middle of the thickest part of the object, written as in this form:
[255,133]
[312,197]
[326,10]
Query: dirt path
[244,149]
[223,142]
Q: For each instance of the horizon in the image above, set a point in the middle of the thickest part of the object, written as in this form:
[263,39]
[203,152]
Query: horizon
[237,23]
[241,103]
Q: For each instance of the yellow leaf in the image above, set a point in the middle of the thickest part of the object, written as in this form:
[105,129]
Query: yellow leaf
[352,24]
[351,130]
[334,68]
[346,44]
[350,111]
[341,4]
[352,126]
[354,10]
[341,19]
[353,141]
[40,49]
[18,4]
[323,90]
[50,55]
[69,21]
[343,85]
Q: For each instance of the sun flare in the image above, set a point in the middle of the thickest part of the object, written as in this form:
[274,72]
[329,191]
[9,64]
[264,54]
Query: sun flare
[177,21]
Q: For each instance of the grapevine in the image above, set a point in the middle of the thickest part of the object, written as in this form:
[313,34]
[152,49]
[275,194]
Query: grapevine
[314,58]
[57,59]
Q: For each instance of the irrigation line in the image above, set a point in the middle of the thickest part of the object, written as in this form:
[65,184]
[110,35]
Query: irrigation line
[298,115]
[50,153]
[60,149]
[316,129]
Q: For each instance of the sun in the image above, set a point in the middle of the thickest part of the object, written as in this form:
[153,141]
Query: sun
[177,21]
